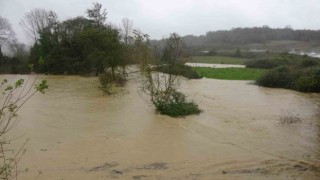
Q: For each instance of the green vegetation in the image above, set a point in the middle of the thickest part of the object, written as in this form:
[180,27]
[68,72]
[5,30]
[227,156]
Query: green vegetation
[179,69]
[289,71]
[294,77]
[217,60]
[175,104]
[230,73]
[272,60]
[78,45]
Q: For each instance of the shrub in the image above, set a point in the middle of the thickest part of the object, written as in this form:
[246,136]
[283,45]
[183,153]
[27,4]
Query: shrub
[309,81]
[308,63]
[305,80]
[276,78]
[179,109]
[174,104]
[107,82]
[289,117]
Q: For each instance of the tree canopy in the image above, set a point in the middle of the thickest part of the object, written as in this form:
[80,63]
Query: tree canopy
[80,45]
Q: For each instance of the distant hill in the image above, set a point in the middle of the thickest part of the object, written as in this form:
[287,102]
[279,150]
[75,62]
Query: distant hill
[266,38]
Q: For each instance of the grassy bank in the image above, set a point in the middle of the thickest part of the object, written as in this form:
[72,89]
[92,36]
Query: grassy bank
[217,60]
[230,73]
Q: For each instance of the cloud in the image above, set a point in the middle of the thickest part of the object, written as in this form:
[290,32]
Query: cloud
[158,18]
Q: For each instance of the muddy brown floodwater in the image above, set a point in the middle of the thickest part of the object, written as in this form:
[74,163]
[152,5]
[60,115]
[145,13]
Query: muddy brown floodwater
[77,133]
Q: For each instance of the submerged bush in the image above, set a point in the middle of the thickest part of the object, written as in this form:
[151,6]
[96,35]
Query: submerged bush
[162,88]
[108,82]
[289,117]
[179,109]
[174,104]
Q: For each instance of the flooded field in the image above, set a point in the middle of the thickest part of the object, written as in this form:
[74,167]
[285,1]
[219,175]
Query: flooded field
[75,132]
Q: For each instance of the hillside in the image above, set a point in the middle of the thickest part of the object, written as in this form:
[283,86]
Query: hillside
[265,38]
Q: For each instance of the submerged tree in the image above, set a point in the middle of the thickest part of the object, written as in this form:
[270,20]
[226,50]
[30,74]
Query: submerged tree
[162,88]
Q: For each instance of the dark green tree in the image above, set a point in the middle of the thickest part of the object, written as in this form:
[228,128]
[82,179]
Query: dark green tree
[97,14]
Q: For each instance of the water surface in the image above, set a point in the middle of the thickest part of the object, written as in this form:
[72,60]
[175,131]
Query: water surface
[77,133]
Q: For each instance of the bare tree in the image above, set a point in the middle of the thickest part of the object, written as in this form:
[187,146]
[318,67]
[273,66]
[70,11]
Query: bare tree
[6,33]
[19,50]
[126,28]
[35,21]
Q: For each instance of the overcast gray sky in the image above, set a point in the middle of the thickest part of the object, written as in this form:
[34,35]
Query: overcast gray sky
[161,17]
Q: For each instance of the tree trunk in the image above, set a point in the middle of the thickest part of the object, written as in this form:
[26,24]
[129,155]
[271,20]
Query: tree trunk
[113,75]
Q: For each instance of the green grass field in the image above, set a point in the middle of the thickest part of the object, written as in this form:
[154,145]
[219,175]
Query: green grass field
[229,73]
[217,60]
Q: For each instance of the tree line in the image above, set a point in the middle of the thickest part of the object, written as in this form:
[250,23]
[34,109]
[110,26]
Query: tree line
[239,37]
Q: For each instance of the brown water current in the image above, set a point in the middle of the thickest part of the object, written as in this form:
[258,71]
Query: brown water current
[77,133]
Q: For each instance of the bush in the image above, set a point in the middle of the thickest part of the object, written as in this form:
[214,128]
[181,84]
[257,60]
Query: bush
[179,69]
[309,81]
[289,117]
[304,80]
[179,109]
[107,82]
[276,78]
[308,63]
[174,104]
